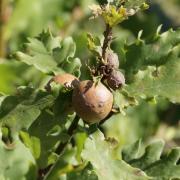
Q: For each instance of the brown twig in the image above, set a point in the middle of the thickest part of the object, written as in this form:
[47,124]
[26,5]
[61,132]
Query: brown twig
[107,40]
[102,68]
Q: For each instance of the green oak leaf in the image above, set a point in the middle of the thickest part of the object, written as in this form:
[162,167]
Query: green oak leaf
[72,66]
[131,151]
[32,142]
[43,128]
[166,168]
[150,161]
[40,53]
[63,165]
[99,153]
[80,139]
[49,131]
[16,161]
[20,111]
[163,81]
[139,121]
[51,126]
[154,52]
[152,67]
[46,53]
[67,171]
[122,100]
[85,174]
[9,75]
[151,155]
[65,51]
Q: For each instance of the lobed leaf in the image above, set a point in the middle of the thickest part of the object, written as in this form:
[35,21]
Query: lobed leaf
[152,68]
[100,154]
[19,112]
[158,168]
[46,53]
[16,161]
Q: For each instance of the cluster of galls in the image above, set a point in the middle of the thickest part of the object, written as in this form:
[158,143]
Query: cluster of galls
[93,101]
[110,72]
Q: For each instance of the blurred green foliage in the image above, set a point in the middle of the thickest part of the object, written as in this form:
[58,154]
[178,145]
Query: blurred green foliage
[27,18]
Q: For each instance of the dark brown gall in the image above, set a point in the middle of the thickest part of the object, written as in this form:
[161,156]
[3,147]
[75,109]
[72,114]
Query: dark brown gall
[116,80]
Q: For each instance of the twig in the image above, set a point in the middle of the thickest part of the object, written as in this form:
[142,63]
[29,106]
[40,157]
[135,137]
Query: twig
[107,40]
[60,149]
[70,132]
[105,119]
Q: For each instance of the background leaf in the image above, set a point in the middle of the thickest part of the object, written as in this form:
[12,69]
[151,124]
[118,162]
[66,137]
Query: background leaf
[99,153]
[16,161]
[21,114]
[151,74]
[153,164]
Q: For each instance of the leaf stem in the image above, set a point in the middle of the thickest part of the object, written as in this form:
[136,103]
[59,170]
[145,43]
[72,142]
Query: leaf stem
[60,149]
[107,40]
